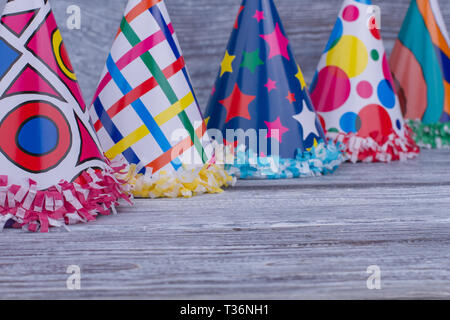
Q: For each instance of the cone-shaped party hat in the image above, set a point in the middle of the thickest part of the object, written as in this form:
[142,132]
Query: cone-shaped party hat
[260,106]
[353,90]
[52,170]
[145,109]
[420,64]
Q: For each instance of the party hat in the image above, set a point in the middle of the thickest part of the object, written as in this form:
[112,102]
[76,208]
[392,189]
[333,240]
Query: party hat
[52,172]
[145,109]
[353,90]
[260,107]
[420,64]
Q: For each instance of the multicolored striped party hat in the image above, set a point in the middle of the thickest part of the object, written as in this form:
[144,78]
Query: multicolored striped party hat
[353,90]
[52,171]
[420,64]
[260,107]
[145,109]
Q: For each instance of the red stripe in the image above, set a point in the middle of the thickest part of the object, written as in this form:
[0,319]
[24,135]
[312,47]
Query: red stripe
[141,90]
[175,151]
[132,55]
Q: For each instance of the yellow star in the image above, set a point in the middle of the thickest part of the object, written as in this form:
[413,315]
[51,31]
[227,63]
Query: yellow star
[207,120]
[226,64]
[300,78]
[315,144]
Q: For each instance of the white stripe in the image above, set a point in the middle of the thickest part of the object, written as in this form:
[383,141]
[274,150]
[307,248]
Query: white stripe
[22,5]
[439,19]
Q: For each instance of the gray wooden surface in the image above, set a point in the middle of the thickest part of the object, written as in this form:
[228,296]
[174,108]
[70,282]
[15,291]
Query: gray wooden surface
[289,239]
[203,28]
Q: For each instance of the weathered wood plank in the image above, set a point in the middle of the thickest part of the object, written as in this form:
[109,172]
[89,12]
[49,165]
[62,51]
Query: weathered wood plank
[310,238]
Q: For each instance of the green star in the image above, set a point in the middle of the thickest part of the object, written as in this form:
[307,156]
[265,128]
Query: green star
[251,60]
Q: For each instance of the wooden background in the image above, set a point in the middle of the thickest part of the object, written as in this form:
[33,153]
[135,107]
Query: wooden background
[203,28]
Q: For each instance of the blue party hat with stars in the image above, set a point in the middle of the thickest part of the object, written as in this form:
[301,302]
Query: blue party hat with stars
[260,108]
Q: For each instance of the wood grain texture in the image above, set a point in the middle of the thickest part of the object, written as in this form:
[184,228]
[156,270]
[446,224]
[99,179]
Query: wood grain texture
[203,28]
[287,239]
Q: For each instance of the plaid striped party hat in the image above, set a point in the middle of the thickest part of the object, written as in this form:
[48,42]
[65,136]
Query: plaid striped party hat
[146,112]
[52,171]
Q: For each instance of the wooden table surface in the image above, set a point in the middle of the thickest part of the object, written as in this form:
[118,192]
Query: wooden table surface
[287,239]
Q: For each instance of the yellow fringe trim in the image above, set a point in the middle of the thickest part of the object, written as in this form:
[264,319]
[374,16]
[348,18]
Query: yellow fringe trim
[184,184]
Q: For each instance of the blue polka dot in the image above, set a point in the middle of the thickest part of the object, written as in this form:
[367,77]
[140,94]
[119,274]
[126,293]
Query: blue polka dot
[38,136]
[399,124]
[386,94]
[364,1]
[350,122]
[336,34]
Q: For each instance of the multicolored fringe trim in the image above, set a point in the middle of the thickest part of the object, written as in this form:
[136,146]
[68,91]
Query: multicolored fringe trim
[186,183]
[431,136]
[376,149]
[94,192]
[321,159]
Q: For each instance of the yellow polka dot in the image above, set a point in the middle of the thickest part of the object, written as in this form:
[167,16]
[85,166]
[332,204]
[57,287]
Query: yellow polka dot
[350,54]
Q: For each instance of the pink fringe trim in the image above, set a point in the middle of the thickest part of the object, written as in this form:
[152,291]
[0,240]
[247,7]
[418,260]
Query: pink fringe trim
[94,192]
[377,148]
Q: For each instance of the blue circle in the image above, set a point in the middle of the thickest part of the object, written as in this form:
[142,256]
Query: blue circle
[350,122]
[336,35]
[38,136]
[386,94]
[399,124]
[364,1]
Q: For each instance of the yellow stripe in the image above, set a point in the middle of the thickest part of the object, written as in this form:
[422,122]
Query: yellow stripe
[175,109]
[127,142]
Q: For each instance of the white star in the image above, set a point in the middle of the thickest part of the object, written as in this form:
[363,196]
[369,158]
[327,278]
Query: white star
[307,120]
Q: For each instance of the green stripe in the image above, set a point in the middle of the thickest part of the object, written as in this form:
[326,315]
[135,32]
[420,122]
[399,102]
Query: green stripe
[415,36]
[157,73]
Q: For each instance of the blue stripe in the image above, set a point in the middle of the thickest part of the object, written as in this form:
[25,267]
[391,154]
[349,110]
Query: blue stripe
[112,130]
[140,109]
[157,15]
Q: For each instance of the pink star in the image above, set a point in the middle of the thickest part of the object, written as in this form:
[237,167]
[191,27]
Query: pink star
[276,129]
[213,91]
[278,43]
[259,15]
[271,85]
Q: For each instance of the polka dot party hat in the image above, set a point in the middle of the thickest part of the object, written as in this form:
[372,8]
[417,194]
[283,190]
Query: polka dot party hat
[145,110]
[260,106]
[420,64]
[353,90]
[52,172]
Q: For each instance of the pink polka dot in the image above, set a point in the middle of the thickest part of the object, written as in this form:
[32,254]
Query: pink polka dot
[350,13]
[332,89]
[364,89]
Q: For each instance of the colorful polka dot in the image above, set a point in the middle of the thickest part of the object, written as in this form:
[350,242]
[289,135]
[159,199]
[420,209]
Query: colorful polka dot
[331,90]
[336,35]
[350,13]
[399,124]
[350,122]
[373,29]
[387,71]
[375,122]
[375,55]
[350,54]
[364,89]
[386,94]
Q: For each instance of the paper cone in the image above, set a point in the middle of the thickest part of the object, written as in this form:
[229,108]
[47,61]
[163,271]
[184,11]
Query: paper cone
[52,172]
[353,90]
[420,64]
[260,92]
[145,109]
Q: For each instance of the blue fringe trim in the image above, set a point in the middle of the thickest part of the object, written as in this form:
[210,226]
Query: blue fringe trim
[320,160]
